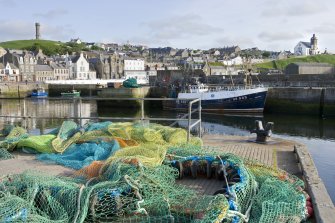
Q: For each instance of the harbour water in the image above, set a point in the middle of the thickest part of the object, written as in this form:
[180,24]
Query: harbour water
[317,134]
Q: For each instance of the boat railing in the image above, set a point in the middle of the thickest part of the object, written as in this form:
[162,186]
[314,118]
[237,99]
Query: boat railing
[77,101]
[233,88]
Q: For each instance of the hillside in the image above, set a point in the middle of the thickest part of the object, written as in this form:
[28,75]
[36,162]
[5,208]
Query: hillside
[281,64]
[48,47]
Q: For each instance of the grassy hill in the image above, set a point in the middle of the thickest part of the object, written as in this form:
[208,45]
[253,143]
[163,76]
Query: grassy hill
[48,47]
[281,64]
[22,44]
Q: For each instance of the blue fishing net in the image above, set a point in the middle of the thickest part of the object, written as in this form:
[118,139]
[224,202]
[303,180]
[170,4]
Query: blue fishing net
[78,156]
[91,126]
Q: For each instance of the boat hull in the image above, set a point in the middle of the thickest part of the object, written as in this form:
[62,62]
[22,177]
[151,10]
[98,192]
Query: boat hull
[246,103]
[71,94]
[39,95]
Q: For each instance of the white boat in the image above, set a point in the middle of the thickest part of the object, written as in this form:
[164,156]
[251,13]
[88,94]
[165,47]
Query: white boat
[223,99]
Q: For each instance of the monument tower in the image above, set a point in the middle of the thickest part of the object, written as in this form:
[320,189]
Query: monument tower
[38,34]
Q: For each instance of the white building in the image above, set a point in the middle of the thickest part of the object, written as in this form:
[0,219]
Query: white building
[234,61]
[134,68]
[133,64]
[81,68]
[307,48]
[9,72]
[302,49]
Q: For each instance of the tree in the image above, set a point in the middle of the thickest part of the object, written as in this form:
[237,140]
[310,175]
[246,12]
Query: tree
[266,54]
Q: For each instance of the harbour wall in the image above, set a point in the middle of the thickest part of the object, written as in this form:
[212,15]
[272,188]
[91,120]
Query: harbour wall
[303,101]
[18,89]
[87,90]
[315,101]
[276,80]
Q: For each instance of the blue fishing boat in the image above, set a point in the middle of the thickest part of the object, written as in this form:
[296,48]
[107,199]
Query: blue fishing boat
[39,93]
[246,99]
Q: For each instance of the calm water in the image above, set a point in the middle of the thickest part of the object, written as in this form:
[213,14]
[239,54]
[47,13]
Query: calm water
[317,134]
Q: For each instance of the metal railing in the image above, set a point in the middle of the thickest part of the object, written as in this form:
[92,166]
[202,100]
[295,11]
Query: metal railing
[187,117]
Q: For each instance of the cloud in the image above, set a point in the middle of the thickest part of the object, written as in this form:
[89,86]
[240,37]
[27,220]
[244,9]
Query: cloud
[8,3]
[241,41]
[65,32]
[290,8]
[51,14]
[11,30]
[325,28]
[16,30]
[180,27]
[279,36]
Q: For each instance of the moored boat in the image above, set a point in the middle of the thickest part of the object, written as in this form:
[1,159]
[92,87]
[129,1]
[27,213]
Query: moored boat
[223,99]
[73,93]
[39,93]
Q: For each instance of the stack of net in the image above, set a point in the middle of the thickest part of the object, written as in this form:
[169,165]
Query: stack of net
[125,175]
[15,135]
[280,196]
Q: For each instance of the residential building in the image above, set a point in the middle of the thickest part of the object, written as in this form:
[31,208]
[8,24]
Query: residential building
[9,72]
[233,61]
[77,41]
[214,69]
[43,73]
[23,60]
[134,68]
[133,64]
[81,69]
[60,71]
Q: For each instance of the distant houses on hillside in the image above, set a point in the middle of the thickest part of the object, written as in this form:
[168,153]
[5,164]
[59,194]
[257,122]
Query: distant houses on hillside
[114,61]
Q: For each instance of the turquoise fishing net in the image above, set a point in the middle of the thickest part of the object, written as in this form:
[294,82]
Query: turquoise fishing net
[78,156]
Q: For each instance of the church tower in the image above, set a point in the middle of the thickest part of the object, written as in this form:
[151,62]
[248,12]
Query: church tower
[314,46]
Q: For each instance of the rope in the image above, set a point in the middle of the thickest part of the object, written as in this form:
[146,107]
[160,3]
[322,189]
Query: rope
[78,203]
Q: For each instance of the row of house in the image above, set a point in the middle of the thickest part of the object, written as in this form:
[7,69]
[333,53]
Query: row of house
[18,65]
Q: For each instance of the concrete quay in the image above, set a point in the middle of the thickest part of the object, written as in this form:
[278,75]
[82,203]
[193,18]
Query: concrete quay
[287,155]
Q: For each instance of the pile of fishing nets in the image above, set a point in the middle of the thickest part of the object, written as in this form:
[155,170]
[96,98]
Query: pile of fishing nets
[130,83]
[132,172]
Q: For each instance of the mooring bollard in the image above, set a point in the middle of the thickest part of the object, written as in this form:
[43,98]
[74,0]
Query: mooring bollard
[262,134]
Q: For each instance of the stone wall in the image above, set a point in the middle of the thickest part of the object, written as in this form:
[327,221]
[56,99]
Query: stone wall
[304,101]
[19,89]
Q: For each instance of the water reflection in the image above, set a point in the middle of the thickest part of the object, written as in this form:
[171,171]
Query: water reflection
[306,126]
[54,109]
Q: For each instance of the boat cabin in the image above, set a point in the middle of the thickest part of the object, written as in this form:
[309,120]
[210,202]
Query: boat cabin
[198,88]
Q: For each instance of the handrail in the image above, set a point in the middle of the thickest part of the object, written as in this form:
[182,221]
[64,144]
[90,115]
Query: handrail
[187,117]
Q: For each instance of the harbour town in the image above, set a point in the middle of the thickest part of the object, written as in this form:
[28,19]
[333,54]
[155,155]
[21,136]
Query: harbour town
[182,123]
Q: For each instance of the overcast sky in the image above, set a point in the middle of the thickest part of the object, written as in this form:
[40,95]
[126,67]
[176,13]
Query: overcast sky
[201,24]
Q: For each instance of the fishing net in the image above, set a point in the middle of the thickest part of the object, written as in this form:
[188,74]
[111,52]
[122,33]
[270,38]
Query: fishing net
[6,130]
[130,83]
[5,155]
[81,155]
[40,143]
[280,197]
[133,172]
[67,134]
[14,136]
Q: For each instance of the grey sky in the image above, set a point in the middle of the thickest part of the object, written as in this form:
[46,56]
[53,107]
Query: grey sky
[266,24]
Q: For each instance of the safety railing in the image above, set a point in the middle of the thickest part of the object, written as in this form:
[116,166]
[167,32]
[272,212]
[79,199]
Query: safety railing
[187,117]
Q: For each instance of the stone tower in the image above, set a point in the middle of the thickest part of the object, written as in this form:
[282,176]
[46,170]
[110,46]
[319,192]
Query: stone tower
[314,46]
[38,34]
